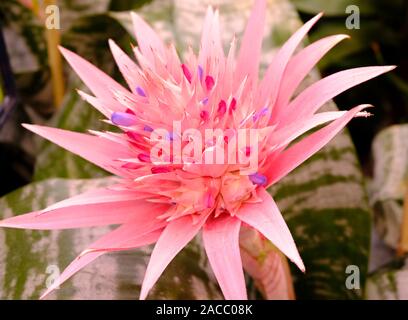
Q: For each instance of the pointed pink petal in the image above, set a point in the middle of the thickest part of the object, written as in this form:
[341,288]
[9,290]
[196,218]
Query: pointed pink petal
[97,103]
[229,69]
[287,134]
[174,63]
[99,151]
[128,68]
[269,87]
[312,98]
[87,216]
[147,39]
[267,266]
[267,219]
[211,56]
[301,151]
[173,239]
[269,274]
[221,241]
[301,64]
[130,234]
[96,80]
[205,52]
[250,51]
[103,195]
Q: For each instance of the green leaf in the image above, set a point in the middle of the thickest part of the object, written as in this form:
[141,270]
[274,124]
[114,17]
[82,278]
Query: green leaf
[390,153]
[125,5]
[72,10]
[53,161]
[333,8]
[325,206]
[28,52]
[360,41]
[389,282]
[88,36]
[30,258]
[157,13]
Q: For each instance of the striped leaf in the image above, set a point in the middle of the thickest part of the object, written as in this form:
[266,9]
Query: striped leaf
[31,259]
[24,36]
[387,189]
[389,282]
[76,115]
[324,200]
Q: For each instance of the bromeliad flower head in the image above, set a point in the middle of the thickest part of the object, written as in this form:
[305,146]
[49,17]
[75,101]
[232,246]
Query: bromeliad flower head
[172,182]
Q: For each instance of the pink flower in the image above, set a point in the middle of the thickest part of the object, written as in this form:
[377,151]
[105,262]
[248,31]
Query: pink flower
[169,203]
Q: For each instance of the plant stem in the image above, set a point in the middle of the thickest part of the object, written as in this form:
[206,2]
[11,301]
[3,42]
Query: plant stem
[36,7]
[54,57]
[288,276]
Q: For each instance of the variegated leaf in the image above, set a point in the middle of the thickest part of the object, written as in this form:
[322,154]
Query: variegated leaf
[388,187]
[28,52]
[389,282]
[77,115]
[31,259]
[324,200]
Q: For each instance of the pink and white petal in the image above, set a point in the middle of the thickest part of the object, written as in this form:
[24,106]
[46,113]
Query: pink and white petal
[129,234]
[251,45]
[229,73]
[128,68]
[267,219]
[80,216]
[267,266]
[205,36]
[174,63]
[102,195]
[282,137]
[94,149]
[97,103]
[292,157]
[211,56]
[96,80]
[301,64]
[216,45]
[174,238]
[270,84]
[147,39]
[312,98]
[221,242]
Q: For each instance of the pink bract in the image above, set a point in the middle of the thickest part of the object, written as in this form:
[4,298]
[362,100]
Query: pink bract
[169,204]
